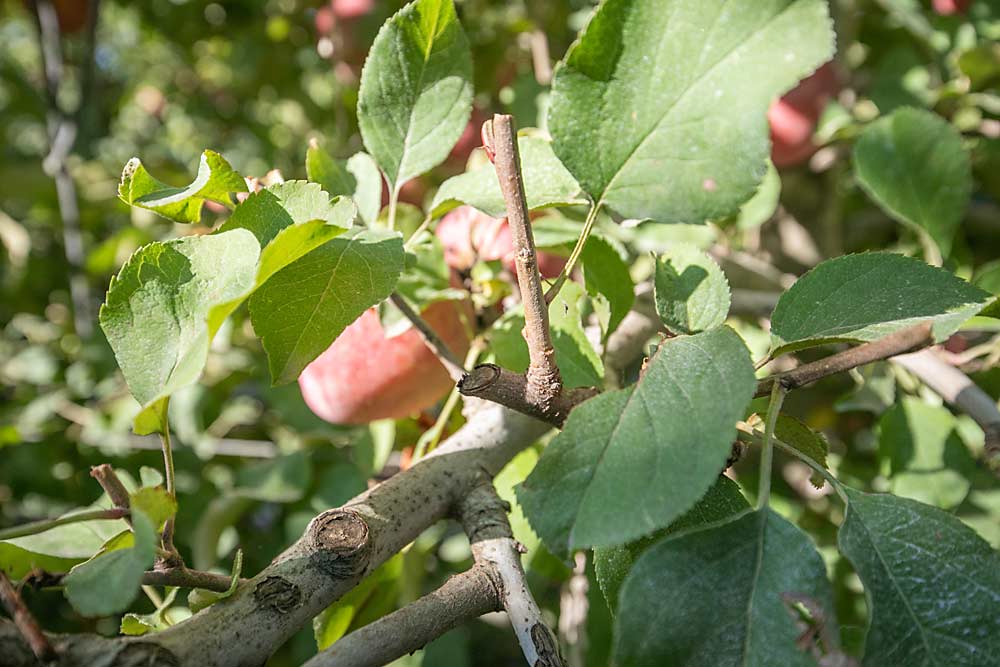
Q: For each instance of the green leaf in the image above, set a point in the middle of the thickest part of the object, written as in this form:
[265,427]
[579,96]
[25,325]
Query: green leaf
[156,315]
[605,273]
[865,297]
[416,90]
[215,181]
[357,177]
[58,549]
[913,164]
[812,443]
[281,480]
[929,462]
[612,564]
[657,446]
[578,362]
[691,292]
[303,307]
[931,583]
[268,212]
[141,624]
[108,584]
[155,503]
[758,209]
[724,596]
[546,183]
[659,108]
[200,598]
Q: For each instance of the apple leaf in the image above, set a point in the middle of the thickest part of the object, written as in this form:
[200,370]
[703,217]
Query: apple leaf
[215,181]
[57,549]
[608,281]
[758,209]
[612,564]
[690,290]
[912,164]
[357,177]
[108,583]
[303,307]
[546,183]
[724,596]
[928,459]
[629,462]
[932,584]
[867,296]
[156,315]
[416,90]
[199,598]
[659,108]
[282,205]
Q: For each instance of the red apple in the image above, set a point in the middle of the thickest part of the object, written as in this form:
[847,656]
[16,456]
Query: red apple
[468,234]
[951,7]
[793,118]
[364,376]
[325,20]
[351,9]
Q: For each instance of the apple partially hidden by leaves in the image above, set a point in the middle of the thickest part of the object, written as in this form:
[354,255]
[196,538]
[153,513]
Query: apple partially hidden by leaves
[364,376]
[467,234]
[951,7]
[793,118]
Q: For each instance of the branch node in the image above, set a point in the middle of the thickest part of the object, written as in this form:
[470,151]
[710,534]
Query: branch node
[341,543]
[277,594]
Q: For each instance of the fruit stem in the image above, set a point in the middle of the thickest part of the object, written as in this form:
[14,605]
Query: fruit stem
[447,358]
[574,256]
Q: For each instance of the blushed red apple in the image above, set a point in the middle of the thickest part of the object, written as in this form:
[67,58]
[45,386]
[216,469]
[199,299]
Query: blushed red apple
[793,118]
[467,234]
[951,7]
[364,376]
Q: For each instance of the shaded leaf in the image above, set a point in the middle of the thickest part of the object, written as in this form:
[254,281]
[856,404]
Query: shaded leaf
[357,177]
[932,584]
[865,297]
[612,564]
[716,597]
[200,598]
[758,209]
[658,109]
[629,462]
[691,292]
[913,164]
[605,273]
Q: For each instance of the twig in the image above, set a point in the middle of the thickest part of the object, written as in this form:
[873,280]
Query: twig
[106,477]
[431,339]
[492,383]
[896,343]
[484,517]
[956,388]
[25,622]
[186,578]
[544,381]
[574,256]
[47,524]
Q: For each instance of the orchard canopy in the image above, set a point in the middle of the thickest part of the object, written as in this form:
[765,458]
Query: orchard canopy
[485,333]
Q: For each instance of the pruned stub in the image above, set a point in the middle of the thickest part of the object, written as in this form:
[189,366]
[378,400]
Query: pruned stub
[340,543]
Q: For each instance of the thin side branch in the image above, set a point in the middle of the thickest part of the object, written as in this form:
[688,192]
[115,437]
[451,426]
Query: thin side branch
[544,381]
[431,339]
[492,383]
[956,388]
[484,517]
[462,597]
[186,578]
[24,621]
[905,340]
[47,524]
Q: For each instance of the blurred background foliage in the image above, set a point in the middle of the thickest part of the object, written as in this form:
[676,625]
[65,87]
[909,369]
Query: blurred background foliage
[255,80]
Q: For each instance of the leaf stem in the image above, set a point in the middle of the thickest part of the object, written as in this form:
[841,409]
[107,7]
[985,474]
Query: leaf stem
[393,201]
[747,434]
[168,467]
[767,452]
[41,526]
[574,256]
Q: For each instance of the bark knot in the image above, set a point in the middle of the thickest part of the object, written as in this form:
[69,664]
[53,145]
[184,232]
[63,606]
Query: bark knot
[278,594]
[340,541]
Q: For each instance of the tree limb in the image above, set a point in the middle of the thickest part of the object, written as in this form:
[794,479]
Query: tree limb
[498,385]
[25,622]
[956,388]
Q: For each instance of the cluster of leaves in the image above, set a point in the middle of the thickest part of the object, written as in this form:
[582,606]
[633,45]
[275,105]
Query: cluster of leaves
[656,117]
